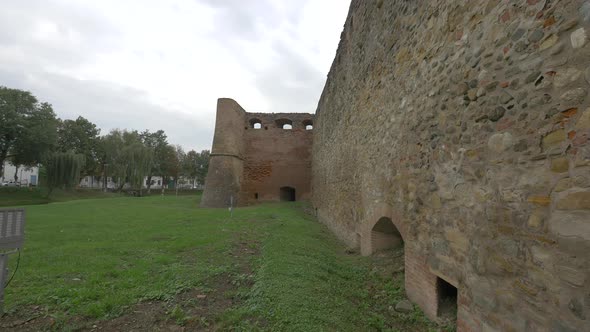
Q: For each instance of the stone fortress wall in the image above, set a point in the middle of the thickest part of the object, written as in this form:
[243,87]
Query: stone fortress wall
[253,159]
[460,128]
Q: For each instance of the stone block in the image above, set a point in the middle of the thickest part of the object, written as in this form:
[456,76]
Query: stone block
[539,200]
[570,224]
[578,38]
[457,240]
[560,165]
[553,138]
[575,96]
[573,276]
[563,184]
[582,180]
[535,221]
[566,77]
[500,142]
[542,256]
[575,201]
[548,42]
[584,120]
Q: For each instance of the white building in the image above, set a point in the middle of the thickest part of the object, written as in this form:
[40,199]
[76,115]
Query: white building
[97,183]
[30,176]
[26,175]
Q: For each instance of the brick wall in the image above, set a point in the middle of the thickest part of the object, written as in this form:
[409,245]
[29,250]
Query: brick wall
[250,165]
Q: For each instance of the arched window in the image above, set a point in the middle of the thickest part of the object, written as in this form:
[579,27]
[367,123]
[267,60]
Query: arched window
[308,124]
[284,123]
[255,123]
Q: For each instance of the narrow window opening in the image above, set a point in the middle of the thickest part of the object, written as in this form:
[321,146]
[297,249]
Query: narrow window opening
[308,124]
[256,195]
[447,299]
[284,123]
[255,123]
[287,194]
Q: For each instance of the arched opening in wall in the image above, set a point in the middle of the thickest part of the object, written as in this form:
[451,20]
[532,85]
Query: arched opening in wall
[255,123]
[308,124]
[446,298]
[385,235]
[256,196]
[284,123]
[287,194]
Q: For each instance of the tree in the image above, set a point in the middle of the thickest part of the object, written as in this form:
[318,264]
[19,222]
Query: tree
[197,165]
[203,166]
[158,142]
[170,165]
[28,129]
[115,156]
[190,164]
[139,159]
[63,169]
[180,169]
[80,136]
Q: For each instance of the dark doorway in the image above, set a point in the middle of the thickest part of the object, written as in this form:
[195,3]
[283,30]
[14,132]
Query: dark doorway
[288,194]
[447,299]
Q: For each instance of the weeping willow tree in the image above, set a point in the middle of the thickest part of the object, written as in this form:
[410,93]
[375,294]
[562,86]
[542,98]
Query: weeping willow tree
[139,163]
[63,170]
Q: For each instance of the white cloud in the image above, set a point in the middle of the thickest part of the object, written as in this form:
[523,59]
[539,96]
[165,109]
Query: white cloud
[158,64]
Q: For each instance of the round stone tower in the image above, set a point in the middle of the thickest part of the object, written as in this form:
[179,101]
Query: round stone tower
[224,178]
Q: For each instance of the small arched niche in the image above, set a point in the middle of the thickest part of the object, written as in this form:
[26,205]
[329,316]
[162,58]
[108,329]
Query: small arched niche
[308,124]
[385,235]
[284,123]
[255,123]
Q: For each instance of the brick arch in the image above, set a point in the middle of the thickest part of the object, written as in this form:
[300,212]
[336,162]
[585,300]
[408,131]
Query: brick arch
[254,121]
[377,213]
[385,235]
[283,121]
[420,282]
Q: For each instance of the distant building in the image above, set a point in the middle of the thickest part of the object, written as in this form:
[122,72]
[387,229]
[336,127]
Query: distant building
[25,175]
[95,182]
[30,176]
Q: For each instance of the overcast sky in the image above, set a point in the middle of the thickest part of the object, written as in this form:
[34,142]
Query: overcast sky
[162,64]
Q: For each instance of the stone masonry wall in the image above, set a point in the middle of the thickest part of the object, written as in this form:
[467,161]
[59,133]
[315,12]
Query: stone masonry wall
[466,122]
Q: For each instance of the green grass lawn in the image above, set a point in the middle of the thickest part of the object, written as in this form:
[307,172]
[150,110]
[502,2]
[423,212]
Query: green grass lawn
[13,196]
[92,260]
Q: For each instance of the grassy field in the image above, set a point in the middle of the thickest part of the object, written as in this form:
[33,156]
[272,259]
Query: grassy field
[161,262]
[13,196]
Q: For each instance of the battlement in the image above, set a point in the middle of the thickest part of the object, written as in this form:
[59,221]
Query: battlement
[270,121]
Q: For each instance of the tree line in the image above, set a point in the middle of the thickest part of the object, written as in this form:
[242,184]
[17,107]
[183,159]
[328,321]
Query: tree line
[68,150]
